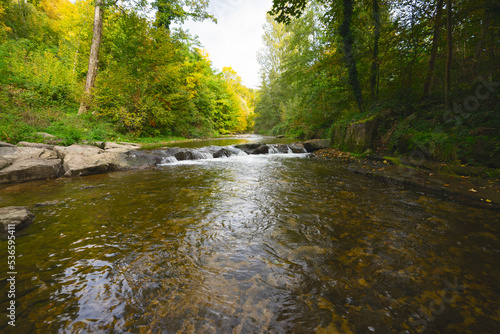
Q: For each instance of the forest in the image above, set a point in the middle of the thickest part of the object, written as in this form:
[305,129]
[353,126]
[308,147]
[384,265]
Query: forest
[154,81]
[427,70]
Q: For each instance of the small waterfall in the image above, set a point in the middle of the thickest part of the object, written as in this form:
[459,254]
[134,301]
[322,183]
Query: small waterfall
[176,155]
[199,155]
[273,149]
[167,160]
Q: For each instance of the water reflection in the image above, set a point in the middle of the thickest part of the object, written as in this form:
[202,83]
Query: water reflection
[249,245]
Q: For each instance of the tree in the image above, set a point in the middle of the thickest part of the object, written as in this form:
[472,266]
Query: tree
[348,38]
[434,48]
[449,46]
[94,56]
[285,10]
[376,39]
[168,11]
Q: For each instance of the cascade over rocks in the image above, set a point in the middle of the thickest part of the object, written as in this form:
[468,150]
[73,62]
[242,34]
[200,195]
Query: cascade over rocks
[33,161]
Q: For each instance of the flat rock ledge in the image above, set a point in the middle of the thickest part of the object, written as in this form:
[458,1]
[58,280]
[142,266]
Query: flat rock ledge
[33,161]
[16,217]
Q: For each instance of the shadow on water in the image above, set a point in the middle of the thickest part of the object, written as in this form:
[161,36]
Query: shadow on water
[251,244]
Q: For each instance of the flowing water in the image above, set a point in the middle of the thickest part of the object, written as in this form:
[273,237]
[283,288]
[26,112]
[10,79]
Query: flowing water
[249,244]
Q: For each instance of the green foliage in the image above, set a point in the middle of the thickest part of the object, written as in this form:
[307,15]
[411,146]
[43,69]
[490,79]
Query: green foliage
[152,82]
[309,65]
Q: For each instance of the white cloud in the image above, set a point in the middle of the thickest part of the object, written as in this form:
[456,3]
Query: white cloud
[236,38]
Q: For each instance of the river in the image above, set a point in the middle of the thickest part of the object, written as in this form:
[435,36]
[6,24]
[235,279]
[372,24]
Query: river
[276,243]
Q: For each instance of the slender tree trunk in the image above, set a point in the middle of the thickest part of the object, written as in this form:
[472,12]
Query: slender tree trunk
[479,47]
[94,57]
[348,38]
[449,58]
[434,48]
[375,62]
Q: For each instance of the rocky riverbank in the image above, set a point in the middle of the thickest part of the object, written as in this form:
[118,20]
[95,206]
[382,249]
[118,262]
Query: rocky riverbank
[33,161]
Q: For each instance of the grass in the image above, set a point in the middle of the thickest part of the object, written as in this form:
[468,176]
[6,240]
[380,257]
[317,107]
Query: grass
[24,113]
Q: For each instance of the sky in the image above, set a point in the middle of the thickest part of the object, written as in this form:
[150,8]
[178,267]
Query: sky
[236,38]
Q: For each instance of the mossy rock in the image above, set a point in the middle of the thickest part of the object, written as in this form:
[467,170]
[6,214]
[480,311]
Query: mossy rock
[360,135]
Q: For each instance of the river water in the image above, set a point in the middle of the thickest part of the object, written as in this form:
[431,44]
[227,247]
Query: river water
[249,244]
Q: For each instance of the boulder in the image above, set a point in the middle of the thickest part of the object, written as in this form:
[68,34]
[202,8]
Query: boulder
[36,145]
[222,153]
[4,144]
[19,164]
[361,135]
[316,144]
[297,148]
[145,159]
[120,148]
[185,155]
[17,216]
[83,150]
[26,153]
[255,148]
[4,163]
[31,169]
[81,165]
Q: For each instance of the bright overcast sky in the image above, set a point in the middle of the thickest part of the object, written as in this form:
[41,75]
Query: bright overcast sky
[236,38]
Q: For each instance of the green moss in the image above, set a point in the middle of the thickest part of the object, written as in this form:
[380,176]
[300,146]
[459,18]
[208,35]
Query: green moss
[372,118]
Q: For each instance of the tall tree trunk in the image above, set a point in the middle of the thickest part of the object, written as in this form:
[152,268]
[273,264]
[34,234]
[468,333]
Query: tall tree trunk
[479,48]
[449,58]
[94,57]
[375,62]
[434,48]
[348,38]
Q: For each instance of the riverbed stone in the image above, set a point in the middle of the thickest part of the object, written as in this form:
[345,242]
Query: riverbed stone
[36,145]
[185,155]
[297,148]
[19,216]
[4,144]
[254,148]
[31,169]
[74,149]
[26,153]
[221,153]
[82,165]
[19,164]
[120,148]
[316,144]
